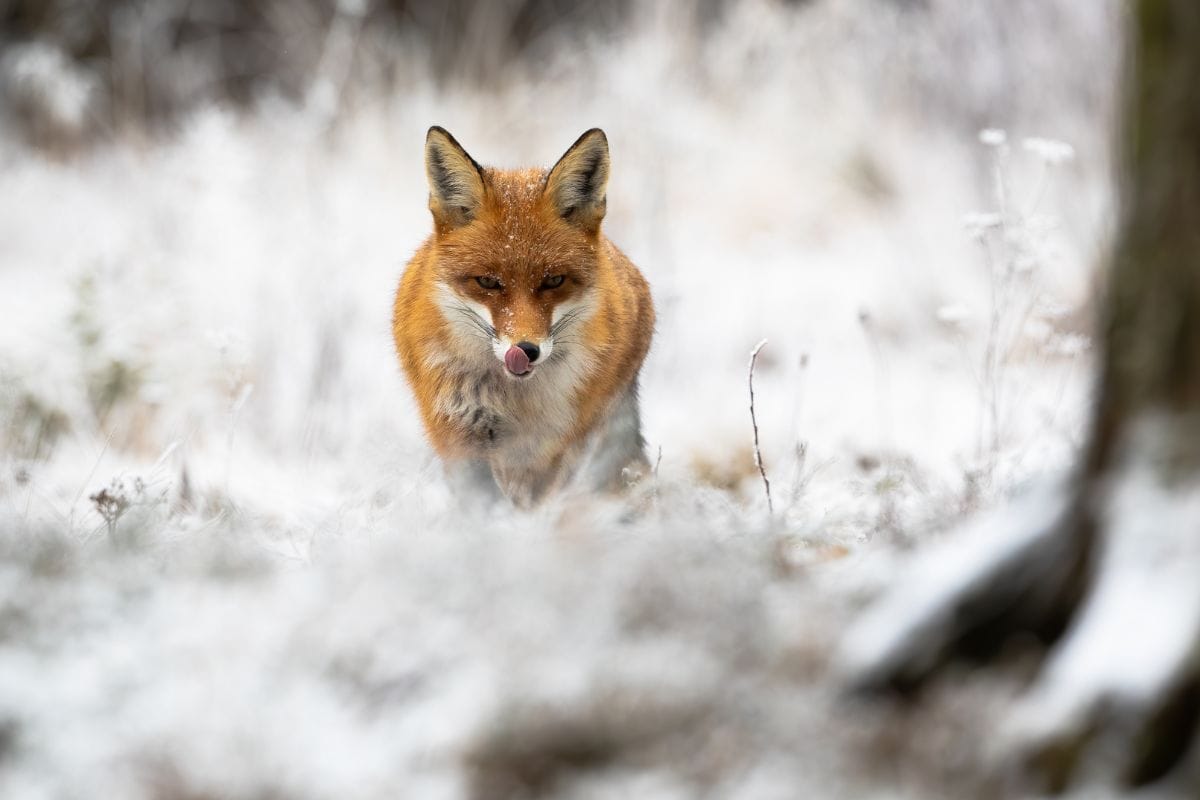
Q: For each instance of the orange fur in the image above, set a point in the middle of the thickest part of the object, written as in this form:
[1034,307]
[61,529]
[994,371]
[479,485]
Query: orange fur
[520,229]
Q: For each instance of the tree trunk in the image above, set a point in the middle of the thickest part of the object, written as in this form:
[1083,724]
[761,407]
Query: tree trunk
[1152,328]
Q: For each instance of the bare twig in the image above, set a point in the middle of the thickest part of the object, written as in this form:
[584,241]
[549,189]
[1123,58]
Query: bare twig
[758,462]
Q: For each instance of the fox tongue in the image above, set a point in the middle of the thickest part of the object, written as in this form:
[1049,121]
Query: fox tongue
[516,360]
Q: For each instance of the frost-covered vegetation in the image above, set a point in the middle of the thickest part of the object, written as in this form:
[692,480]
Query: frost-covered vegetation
[228,564]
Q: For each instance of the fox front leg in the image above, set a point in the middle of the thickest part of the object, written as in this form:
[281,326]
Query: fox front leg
[472,483]
[618,455]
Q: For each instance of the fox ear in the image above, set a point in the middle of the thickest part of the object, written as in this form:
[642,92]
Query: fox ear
[455,180]
[577,184]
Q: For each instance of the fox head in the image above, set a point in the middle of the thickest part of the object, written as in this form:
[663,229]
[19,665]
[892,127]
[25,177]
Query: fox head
[516,251]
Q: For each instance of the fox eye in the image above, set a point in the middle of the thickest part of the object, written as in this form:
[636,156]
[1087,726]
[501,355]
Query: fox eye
[553,282]
[487,282]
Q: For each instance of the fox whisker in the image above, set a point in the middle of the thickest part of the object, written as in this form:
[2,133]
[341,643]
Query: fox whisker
[472,317]
[566,320]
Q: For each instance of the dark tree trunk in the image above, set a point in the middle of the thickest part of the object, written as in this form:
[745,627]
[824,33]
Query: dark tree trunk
[1152,328]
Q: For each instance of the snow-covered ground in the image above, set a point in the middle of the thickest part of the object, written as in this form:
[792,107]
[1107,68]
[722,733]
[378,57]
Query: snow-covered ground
[228,565]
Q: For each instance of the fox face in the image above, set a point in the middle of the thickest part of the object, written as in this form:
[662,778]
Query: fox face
[517,252]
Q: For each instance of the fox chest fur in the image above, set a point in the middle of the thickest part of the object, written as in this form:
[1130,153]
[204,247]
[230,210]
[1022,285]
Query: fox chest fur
[521,329]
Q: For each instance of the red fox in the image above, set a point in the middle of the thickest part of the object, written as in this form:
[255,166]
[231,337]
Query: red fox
[521,328]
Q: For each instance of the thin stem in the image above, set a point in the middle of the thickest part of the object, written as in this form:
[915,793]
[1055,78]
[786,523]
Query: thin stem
[758,462]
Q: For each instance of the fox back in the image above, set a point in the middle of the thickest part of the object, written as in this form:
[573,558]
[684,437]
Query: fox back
[521,328]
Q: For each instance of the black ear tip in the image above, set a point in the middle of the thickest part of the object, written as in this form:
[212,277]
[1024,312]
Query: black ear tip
[437,130]
[592,136]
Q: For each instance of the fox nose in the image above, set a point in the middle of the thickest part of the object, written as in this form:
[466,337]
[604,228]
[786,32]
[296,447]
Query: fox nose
[531,350]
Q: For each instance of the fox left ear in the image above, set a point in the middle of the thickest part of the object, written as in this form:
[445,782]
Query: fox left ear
[456,186]
[577,184]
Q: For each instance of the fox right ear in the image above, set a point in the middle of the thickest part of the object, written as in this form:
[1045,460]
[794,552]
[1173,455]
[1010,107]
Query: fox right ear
[576,185]
[455,180]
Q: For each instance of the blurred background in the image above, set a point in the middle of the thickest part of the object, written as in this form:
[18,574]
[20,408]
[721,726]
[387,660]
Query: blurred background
[230,565]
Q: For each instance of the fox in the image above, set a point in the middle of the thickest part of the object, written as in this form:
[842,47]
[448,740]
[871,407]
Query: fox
[521,329]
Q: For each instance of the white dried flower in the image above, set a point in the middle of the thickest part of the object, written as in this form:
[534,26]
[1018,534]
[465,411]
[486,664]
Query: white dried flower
[1048,309]
[993,137]
[1051,151]
[1069,344]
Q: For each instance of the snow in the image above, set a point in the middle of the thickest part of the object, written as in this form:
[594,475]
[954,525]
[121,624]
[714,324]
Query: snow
[1135,639]
[915,617]
[290,603]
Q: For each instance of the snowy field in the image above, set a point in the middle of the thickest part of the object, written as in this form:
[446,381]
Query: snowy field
[229,567]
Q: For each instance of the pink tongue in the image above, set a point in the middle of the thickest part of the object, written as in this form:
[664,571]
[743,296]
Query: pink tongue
[516,361]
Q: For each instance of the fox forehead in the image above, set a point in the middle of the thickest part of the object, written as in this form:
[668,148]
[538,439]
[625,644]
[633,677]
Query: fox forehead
[517,235]
[515,194]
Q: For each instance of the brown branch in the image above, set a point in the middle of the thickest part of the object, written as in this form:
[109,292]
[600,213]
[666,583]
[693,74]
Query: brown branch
[758,462]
